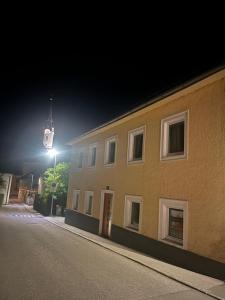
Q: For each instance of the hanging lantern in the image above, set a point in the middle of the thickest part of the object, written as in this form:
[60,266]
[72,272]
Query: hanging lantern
[48,138]
[49,130]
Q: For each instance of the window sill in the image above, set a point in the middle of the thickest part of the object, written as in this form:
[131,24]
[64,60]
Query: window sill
[172,243]
[174,240]
[91,167]
[87,214]
[135,162]
[109,165]
[132,229]
[174,157]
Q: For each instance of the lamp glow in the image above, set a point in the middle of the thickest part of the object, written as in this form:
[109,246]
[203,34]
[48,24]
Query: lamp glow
[52,152]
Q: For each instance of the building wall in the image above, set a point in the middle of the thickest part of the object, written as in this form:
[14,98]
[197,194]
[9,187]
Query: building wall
[14,186]
[7,186]
[199,179]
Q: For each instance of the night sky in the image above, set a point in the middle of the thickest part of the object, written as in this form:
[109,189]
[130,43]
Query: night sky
[87,90]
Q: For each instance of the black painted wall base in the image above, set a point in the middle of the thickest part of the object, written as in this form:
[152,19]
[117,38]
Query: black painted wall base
[167,253]
[81,221]
[170,254]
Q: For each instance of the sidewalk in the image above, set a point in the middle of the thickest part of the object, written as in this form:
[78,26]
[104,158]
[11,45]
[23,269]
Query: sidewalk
[204,284]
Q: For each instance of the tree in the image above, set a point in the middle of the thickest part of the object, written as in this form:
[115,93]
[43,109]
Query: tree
[60,176]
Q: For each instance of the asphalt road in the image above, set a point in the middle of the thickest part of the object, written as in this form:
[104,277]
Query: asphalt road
[39,260]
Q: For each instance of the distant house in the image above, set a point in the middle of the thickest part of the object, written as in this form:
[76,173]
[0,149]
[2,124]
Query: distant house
[29,180]
[14,191]
[5,190]
[18,187]
[154,179]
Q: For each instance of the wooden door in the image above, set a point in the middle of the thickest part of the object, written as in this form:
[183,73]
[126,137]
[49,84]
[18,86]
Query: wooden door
[106,214]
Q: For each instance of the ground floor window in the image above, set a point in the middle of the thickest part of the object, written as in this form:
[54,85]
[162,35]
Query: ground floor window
[88,202]
[173,221]
[132,212]
[176,220]
[76,199]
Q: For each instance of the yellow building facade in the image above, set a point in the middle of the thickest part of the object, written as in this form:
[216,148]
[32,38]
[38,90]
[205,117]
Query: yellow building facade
[154,179]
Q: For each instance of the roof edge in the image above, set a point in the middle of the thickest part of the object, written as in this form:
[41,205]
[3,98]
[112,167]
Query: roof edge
[158,98]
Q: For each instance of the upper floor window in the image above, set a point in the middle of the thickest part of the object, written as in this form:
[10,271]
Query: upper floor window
[76,199]
[88,202]
[136,140]
[110,151]
[80,159]
[92,155]
[174,136]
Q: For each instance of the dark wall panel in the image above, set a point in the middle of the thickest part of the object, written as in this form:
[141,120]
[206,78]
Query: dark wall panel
[81,221]
[167,253]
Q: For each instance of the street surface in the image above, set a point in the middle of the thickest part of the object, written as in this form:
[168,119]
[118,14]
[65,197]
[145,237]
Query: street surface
[39,260]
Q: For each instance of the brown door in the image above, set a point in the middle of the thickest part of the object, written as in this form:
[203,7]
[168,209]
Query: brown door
[106,214]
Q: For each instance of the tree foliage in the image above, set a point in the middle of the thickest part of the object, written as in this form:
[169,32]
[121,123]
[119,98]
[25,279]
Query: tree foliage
[60,176]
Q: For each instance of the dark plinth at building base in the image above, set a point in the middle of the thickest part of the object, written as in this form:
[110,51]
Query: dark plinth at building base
[81,221]
[167,253]
[164,252]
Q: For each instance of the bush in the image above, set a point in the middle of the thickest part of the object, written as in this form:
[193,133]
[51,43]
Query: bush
[43,206]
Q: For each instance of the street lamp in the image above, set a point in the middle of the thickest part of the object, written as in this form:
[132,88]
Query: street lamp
[32,181]
[52,153]
[30,199]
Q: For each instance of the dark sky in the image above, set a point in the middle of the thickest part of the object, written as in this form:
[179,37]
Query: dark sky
[87,91]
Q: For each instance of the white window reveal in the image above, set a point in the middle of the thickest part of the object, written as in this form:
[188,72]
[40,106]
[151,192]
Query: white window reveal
[174,137]
[133,212]
[76,199]
[110,151]
[136,140]
[92,155]
[89,195]
[173,222]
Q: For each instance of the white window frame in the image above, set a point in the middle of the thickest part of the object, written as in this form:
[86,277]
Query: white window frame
[130,146]
[90,149]
[164,206]
[106,156]
[164,144]
[75,193]
[86,200]
[127,212]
